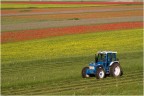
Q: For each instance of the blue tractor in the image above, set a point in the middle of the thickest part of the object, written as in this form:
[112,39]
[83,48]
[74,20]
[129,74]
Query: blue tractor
[106,63]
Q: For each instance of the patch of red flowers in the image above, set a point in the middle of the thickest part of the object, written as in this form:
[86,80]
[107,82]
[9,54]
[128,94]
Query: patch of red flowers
[51,32]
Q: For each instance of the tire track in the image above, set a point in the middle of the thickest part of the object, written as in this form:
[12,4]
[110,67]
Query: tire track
[85,83]
[93,80]
[38,91]
[105,86]
[90,79]
[75,87]
[82,86]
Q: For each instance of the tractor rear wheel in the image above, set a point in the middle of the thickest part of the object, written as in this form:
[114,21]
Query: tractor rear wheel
[115,70]
[84,75]
[100,74]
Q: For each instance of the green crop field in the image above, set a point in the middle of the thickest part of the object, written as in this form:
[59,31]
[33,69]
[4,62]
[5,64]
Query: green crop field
[53,65]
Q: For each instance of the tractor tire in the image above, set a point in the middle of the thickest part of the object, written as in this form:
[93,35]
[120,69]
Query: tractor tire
[100,73]
[116,70]
[121,72]
[83,73]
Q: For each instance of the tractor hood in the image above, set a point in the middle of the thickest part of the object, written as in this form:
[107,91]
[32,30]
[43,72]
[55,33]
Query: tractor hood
[95,64]
[92,64]
[99,63]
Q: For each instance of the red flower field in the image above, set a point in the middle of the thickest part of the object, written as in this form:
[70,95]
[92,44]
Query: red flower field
[44,33]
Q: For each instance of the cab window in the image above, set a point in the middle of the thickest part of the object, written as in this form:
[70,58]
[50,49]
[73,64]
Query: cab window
[102,57]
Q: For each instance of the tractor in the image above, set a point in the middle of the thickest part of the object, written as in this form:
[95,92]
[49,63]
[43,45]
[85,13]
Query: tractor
[106,63]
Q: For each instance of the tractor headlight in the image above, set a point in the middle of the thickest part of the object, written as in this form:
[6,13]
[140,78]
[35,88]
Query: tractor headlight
[91,67]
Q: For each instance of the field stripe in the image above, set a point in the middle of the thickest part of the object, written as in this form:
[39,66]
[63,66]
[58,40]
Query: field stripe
[51,32]
[96,86]
[99,87]
[68,2]
[73,12]
[56,65]
[84,80]
[35,67]
[67,23]
[75,87]
[87,82]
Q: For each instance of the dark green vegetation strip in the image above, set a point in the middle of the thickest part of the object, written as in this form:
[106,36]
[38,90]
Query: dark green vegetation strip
[53,65]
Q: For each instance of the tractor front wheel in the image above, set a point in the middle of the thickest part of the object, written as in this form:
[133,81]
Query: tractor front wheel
[84,75]
[100,74]
[116,70]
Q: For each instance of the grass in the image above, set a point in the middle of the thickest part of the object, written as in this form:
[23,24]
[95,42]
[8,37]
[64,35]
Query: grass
[53,65]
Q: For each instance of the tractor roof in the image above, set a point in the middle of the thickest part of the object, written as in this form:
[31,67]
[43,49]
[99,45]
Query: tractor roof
[105,52]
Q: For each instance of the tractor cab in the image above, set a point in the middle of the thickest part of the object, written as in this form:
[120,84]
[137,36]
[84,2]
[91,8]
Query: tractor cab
[105,57]
[106,62]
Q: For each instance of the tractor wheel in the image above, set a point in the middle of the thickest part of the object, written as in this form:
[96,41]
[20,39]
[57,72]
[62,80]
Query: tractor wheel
[100,74]
[84,75]
[115,70]
[121,72]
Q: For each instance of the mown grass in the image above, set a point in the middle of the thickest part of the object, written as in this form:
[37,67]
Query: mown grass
[35,67]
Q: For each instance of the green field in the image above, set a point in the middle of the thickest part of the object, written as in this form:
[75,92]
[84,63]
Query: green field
[53,65]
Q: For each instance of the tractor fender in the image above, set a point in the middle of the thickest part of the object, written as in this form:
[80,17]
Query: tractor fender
[113,63]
